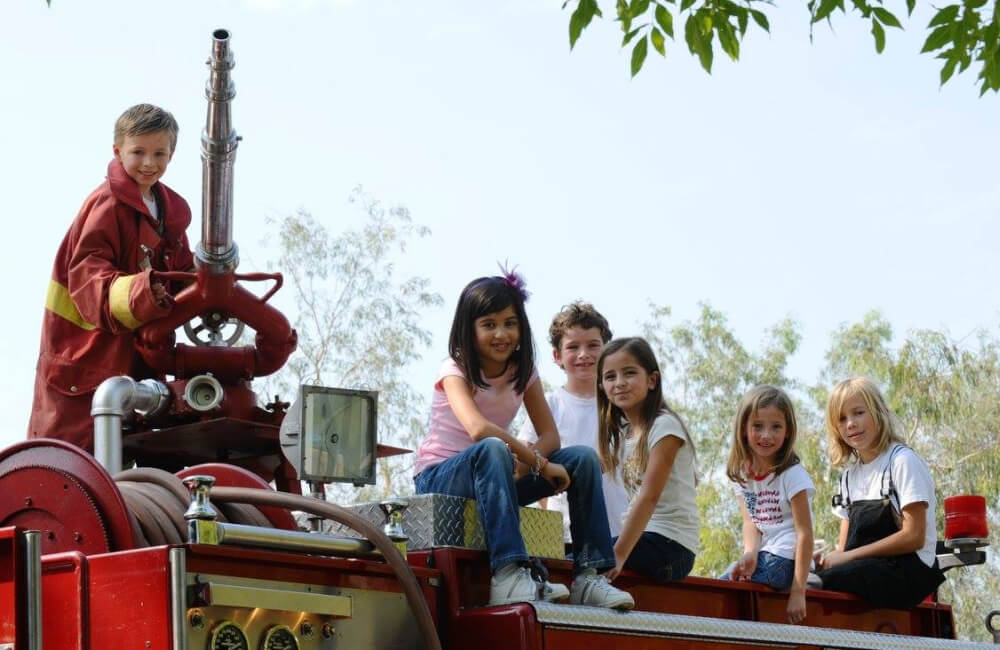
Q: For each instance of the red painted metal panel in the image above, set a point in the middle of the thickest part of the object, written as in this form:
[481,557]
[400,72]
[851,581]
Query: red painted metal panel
[65,584]
[129,600]
[12,586]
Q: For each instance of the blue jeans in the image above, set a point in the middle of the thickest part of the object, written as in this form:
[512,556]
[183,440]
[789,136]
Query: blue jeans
[485,472]
[772,570]
[660,557]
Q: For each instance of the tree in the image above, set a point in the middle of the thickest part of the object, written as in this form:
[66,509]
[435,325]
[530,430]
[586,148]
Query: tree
[945,392]
[960,33]
[359,325]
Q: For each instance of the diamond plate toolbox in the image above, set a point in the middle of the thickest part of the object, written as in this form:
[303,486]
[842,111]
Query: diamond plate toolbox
[442,520]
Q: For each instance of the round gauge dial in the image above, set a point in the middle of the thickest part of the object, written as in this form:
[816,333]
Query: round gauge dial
[228,636]
[280,637]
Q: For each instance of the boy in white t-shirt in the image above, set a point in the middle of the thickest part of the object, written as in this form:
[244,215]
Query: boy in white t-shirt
[577,334]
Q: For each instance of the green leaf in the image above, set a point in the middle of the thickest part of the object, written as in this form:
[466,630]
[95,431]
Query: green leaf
[946,15]
[665,20]
[879,35]
[938,38]
[760,18]
[742,19]
[947,70]
[886,17]
[656,38]
[581,17]
[685,4]
[974,4]
[699,42]
[638,56]
[825,8]
[628,37]
[727,39]
[910,5]
[638,8]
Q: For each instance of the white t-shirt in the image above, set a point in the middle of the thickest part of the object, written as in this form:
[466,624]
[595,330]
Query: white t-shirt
[912,479]
[676,513]
[768,501]
[151,206]
[576,421]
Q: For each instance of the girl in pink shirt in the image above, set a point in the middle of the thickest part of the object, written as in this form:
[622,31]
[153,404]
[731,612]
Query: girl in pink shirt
[468,451]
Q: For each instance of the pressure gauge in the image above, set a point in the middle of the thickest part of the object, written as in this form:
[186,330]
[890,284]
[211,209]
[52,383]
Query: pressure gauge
[280,637]
[228,636]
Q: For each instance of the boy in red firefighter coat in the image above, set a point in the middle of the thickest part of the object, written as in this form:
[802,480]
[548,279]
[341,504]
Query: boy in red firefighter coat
[102,286]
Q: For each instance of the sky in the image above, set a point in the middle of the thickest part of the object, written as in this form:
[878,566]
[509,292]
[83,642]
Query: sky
[817,180]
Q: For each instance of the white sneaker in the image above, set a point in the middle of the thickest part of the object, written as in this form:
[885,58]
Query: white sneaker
[516,587]
[553,591]
[519,586]
[595,590]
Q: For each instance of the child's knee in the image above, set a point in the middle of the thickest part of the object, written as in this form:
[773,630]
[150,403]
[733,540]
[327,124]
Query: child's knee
[495,450]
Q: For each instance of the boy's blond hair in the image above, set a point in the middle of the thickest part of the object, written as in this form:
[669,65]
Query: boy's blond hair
[889,429]
[577,314]
[146,118]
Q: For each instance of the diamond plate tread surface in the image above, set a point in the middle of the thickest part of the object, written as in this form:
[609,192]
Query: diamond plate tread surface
[434,520]
[676,625]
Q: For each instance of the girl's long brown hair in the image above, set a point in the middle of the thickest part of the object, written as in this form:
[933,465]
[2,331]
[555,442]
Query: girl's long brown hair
[740,455]
[611,418]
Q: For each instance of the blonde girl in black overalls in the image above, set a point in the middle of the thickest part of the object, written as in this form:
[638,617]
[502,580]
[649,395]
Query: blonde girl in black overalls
[886,549]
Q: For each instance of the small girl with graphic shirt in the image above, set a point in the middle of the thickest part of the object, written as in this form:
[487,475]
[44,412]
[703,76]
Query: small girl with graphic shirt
[640,433]
[469,453]
[886,552]
[775,495]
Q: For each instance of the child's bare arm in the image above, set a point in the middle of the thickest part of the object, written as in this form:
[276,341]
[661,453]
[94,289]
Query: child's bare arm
[747,564]
[803,554]
[658,468]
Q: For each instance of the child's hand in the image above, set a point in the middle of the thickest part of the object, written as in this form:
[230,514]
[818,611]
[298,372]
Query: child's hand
[520,469]
[557,475]
[159,293]
[796,606]
[832,559]
[746,566]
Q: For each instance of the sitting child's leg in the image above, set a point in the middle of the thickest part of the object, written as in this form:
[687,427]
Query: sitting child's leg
[659,557]
[774,571]
[588,523]
[483,472]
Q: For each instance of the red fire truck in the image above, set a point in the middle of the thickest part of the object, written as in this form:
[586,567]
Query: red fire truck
[193,549]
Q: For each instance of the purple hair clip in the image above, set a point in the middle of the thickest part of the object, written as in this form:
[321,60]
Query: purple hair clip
[514,280]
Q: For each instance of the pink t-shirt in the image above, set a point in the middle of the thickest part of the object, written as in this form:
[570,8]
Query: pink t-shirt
[447,436]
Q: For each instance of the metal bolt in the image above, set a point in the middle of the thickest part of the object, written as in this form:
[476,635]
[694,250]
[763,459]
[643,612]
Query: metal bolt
[149,644]
[77,537]
[196,620]
[50,534]
[307,629]
[27,501]
[328,630]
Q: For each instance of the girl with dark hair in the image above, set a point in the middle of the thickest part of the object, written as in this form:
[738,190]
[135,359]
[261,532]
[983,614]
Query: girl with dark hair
[643,435]
[468,451]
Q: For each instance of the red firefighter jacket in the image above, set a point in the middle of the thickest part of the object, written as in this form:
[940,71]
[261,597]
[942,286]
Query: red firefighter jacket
[98,295]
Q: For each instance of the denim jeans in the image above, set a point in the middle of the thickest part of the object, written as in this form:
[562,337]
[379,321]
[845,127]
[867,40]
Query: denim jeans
[660,557]
[772,570]
[485,472]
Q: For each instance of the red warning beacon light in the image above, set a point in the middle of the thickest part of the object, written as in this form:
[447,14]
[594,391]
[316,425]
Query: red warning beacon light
[965,518]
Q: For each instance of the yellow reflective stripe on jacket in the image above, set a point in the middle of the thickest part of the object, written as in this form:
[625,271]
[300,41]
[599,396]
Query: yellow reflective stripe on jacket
[118,302]
[58,301]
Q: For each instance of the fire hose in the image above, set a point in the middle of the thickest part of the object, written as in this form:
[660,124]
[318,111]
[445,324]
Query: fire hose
[157,501]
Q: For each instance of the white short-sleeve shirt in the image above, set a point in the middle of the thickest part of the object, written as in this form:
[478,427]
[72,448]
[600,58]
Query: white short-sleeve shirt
[768,501]
[912,480]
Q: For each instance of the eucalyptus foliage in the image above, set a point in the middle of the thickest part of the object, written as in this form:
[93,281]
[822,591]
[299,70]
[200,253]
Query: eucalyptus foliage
[359,323]
[960,34]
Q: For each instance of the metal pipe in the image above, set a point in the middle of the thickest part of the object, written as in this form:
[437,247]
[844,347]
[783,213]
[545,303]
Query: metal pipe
[178,598]
[113,399]
[33,587]
[292,540]
[217,252]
